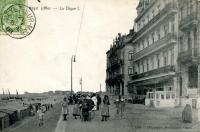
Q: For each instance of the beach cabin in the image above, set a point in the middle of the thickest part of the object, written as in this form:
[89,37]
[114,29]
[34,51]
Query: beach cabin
[4,120]
[12,115]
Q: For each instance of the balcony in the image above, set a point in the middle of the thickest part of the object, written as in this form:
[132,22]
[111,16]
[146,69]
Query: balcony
[115,64]
[188,21]
[115,78]
[168,9]
[190,56]
[170,38]
[165,69]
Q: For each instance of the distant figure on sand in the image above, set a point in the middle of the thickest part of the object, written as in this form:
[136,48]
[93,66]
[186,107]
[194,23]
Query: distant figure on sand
[105,109]
[65,108]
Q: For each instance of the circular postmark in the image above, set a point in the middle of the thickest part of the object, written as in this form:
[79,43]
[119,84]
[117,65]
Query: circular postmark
[18,21]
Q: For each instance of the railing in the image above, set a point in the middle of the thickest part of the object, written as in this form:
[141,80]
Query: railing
[188,19]
[116,77]
[168,8]
[161,95]
[169,38]
[154,72]
[189,54]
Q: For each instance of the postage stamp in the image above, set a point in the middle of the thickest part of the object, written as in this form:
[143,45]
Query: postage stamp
[17,19]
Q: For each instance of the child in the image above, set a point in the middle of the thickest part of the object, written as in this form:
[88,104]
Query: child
[40,116]
[65,109]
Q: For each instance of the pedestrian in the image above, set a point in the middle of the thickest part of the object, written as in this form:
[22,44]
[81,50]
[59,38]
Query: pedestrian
[187,112]
[40,116]
[98,101]
[76,109]
[105,109]
[123,107]
[65,108]
[85,109]
[118,105]
[94,99]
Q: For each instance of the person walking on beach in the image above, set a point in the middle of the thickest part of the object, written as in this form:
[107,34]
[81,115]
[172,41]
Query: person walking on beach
[65,108]
[105,109]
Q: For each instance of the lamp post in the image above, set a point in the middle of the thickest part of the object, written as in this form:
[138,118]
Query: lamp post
[73,59]
[81,83]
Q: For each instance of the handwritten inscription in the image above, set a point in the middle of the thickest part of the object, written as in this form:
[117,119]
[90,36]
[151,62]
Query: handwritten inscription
[61,8]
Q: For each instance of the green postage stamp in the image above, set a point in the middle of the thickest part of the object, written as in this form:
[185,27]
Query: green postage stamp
[16,19]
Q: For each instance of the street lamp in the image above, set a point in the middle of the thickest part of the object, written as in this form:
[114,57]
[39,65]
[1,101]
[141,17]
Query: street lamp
[73,59]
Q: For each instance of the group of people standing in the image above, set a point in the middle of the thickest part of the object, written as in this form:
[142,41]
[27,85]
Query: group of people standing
[85,106]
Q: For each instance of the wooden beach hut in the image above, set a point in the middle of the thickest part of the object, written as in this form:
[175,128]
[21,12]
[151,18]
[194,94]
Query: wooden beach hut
[4,120]
[12,115]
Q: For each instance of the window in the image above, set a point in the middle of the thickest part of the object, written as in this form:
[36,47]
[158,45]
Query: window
[143,21]
[152,36]
[158,61]
[153,14]
[162,96]
[147,18]
[167,95]
[158,8]
[165,30]
[142,66]
[173,27]
[165,58]
[138,65]
[157,96]
[189,41]
[147,39]
[143,44]
[158,33]
[152,61]
[139,25]
[172,56]
[130,55]
[130,70]
[147,61]
[173,96]
[181,10]
[138,47]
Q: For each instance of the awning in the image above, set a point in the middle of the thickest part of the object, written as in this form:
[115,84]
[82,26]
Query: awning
[151,80]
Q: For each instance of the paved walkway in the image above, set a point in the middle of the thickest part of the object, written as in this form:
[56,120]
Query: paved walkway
[114,124]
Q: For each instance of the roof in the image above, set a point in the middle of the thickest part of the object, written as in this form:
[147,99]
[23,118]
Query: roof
[8,111]
[3,114]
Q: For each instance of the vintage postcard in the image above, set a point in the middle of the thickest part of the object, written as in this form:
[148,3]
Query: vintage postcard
[99,65]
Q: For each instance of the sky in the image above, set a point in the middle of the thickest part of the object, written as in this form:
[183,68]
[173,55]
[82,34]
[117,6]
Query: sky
[41,61]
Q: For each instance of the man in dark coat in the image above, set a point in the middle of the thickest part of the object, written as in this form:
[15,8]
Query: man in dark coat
[98,101]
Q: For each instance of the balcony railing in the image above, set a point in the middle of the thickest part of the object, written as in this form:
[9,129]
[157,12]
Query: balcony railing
[189,55]
[166,40]
[171,7]
[115,78]
[188,21]
[154,72]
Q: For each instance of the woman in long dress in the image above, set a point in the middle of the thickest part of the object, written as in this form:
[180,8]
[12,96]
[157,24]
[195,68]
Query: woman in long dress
[105,109]
[187,112]
[77,110]
[65,108]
